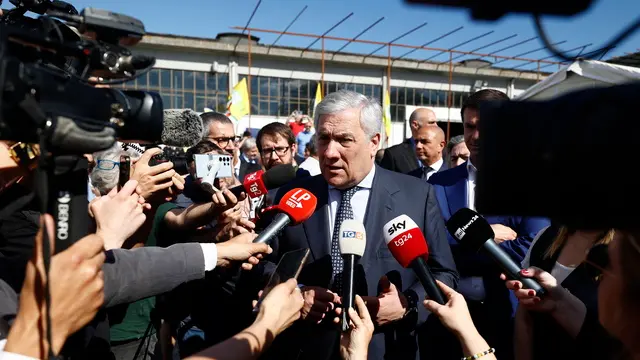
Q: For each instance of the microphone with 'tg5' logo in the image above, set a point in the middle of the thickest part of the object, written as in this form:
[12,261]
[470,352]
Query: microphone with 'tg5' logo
[408,245]
[352,241]
[295,207]
[258,183]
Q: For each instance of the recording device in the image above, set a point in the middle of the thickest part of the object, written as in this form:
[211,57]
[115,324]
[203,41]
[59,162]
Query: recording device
[352,241]
[409,247]
[260,182]
[210,167]
[295,207]
[554,150]
[289,267]
[475,233]
[125,170]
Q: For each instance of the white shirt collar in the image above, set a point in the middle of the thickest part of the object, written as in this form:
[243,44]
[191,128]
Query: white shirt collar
[437,165]
[366,183]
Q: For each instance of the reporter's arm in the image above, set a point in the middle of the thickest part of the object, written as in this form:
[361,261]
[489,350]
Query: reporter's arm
[570,314]
[248,344]
[523,335]
[131,275]
[191,218]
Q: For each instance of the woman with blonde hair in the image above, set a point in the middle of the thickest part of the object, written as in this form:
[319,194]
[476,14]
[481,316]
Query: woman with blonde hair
[564,253]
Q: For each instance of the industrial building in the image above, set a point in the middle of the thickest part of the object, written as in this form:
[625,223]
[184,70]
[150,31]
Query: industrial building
[198,72]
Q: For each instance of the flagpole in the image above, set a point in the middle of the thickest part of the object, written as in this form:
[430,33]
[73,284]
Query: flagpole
[249,77]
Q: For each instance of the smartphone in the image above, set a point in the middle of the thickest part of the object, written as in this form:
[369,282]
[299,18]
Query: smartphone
[289,267]
[125,170]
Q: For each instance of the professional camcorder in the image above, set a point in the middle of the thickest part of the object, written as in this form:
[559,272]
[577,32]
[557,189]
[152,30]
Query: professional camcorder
[49,69]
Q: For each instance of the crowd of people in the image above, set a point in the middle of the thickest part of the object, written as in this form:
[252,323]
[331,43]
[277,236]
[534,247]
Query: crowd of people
[170,271]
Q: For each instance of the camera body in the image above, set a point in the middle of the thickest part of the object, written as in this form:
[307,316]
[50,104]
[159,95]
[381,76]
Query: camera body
[48,72]
[174,155]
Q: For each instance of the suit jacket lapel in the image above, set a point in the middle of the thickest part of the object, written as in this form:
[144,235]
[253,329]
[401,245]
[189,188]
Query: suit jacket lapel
[379,207]
[317,226]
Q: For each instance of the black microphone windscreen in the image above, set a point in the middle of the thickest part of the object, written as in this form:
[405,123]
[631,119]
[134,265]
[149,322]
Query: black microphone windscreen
[469,228]
[181,128]
[278,175]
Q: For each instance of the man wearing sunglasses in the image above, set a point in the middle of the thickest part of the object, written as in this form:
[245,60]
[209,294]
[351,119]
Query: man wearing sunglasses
[220,130]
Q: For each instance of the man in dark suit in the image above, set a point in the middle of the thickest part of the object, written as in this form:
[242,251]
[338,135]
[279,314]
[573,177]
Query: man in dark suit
[351,186]
[490,303]
[429,145]
[402,157]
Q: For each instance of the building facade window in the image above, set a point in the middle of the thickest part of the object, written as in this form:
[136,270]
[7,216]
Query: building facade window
[183,89]
[272,96]
[402,96]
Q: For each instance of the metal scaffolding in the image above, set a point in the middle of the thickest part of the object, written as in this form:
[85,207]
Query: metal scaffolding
[454,53]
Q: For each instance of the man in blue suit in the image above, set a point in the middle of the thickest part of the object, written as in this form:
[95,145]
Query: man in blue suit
[352,186]
[490,303]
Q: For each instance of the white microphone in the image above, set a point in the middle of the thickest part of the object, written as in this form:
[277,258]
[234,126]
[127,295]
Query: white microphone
[352,240]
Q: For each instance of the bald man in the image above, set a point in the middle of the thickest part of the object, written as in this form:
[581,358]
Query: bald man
[429,145]
[402,157]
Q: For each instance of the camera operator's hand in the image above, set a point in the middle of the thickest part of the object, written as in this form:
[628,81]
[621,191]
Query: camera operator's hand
[118,215]
[76,288]
[241,248]
[153,181]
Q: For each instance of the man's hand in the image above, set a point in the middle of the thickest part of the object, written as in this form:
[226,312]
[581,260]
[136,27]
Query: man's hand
[318,302]
[77,292]
[503,233]
[389,306]
[118,215]
[241,248]
[153,179]
[228,231]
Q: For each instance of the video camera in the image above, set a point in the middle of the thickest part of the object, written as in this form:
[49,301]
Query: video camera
[49,70]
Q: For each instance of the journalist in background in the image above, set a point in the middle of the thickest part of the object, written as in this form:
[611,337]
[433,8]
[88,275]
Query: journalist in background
[351,186]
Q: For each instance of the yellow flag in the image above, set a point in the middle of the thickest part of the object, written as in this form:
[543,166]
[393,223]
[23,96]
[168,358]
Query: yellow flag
[386,113]
[238,105]
[318,97]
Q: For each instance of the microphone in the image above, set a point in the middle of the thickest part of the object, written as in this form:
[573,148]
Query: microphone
[474,232]
[260,182]
[408,245]
[181,128]
[295,207]
[352,241]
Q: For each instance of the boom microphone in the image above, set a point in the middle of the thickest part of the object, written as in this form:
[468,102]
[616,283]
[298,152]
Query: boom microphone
[408,245]
[181,128]
[352,241]
[474,232]
[260,182]
[296,206]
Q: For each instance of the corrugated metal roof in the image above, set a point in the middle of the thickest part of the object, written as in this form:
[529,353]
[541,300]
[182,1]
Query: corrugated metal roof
[627,60]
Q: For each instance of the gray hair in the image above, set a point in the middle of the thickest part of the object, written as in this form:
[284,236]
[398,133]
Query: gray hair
[454,141]
[370,109]
[210,117]
[248,144]
[106,180]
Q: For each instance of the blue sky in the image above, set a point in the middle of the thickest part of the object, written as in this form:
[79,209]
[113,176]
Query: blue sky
[206,18]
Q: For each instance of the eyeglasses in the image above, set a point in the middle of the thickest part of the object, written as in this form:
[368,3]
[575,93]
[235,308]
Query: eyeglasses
[224,141]
[107,164]
[280,151]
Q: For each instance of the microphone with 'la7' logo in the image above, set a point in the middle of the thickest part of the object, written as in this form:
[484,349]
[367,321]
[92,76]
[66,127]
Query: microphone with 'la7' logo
[408,245]
[295,207]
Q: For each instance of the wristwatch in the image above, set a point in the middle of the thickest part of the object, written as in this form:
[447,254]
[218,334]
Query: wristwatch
[412,302]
